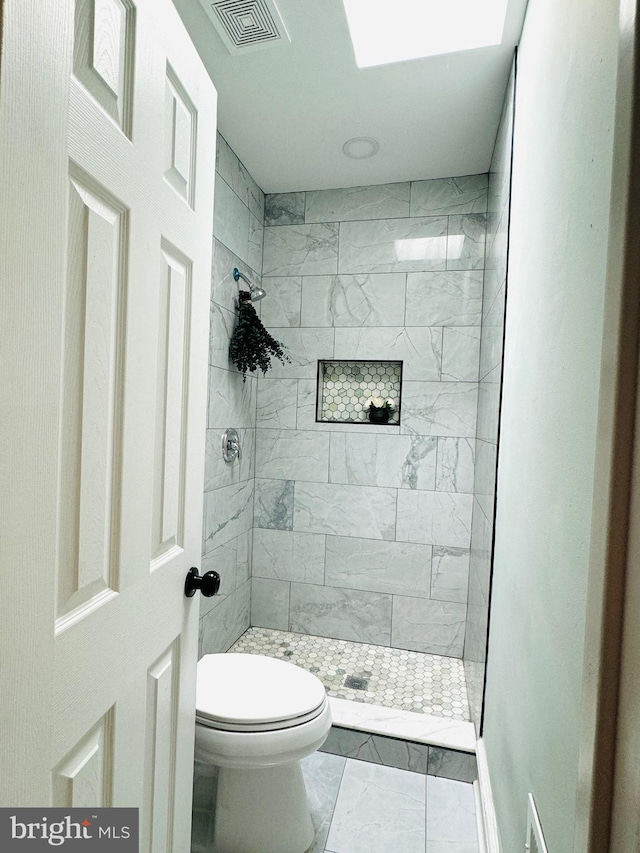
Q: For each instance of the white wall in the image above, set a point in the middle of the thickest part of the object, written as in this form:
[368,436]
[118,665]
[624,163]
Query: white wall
[560,202]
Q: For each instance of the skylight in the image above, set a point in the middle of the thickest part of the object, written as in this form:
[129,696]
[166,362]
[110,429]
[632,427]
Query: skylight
[386,31]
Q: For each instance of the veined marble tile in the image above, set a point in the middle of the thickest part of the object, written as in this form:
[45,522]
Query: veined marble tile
[228,513]
[379,810]
[341,613]
[461,353]
[222,324]
[455,468]
[467,194]
[292,455]
[270,603]
[465,243]
[277,403]
[224,561]
[306,416]
[301,250]
[345,510]
[491,347]
[353,300]
[440,408]
[419,349]
[393,245]
[217,472]
[232,562]
[222,626]
[322,776]
[494,313]
[494,280]
[488,411]
[233,171]
[281,305]
[451,812]
[231,401]
[421,728]
[288,555]
[224,288]
[231,220]
[392,567]
[435,627]
[448,764]
[486,460]
[377,749]
[451,298]
[434,518]
[304,347]
[369,202]
[284,209]
[450,574]
[394,461]
[254,242]
[274,504]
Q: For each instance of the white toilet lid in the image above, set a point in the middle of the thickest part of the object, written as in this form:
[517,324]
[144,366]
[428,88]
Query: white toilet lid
[249,690]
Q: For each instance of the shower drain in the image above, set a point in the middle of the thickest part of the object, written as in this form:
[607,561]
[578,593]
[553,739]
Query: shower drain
[355,682]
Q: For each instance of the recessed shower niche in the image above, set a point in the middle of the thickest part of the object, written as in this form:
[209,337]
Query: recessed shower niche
[345,387]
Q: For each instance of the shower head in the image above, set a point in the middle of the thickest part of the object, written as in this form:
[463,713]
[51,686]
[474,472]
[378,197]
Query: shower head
[256,292]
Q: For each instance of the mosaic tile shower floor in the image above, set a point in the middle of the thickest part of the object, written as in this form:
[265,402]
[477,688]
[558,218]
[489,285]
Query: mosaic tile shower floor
[378,675]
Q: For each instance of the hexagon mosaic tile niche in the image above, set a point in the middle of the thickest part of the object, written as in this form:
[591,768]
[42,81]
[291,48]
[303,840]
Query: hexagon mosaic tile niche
[344,387]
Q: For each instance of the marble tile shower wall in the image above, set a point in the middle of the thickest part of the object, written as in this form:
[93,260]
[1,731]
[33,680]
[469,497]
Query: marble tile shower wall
[362,532]
[228,509]
[491,347]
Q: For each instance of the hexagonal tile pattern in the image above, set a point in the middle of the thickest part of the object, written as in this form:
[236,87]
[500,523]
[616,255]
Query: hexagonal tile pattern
[345,387]
[394,678]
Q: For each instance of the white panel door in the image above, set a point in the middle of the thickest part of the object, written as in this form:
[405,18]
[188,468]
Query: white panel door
[108,123]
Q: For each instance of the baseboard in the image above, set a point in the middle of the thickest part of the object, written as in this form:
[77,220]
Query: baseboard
[486,813]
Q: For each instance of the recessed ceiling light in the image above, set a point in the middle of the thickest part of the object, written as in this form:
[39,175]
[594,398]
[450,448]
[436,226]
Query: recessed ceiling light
[361,147]
[388,31]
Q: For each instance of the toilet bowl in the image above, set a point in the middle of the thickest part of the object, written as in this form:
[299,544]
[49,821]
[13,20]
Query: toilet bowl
[256,717]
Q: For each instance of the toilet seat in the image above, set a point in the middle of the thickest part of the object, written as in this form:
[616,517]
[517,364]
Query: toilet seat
[255,693]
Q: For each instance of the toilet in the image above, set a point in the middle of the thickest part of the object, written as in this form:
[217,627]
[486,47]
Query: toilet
[256,717]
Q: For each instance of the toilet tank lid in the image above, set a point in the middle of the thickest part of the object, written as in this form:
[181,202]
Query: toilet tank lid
[247,688]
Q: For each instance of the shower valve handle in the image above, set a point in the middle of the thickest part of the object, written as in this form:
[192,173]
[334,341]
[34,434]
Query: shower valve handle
[208,584]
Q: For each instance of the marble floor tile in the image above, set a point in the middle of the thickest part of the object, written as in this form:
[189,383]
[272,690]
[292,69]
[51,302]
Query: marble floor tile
[451,813]
[322,776]
[379,810]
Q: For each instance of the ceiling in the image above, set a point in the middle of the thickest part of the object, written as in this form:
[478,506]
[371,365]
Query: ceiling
[287,110]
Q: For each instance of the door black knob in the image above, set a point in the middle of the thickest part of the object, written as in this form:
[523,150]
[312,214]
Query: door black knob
[208,584]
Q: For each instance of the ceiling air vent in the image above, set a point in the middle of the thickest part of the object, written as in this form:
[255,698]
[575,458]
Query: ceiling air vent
[246,25]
